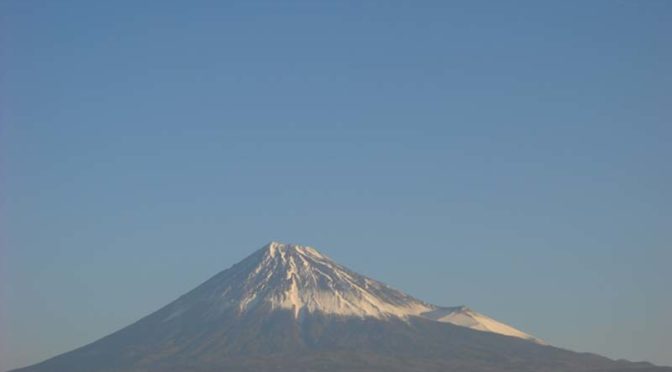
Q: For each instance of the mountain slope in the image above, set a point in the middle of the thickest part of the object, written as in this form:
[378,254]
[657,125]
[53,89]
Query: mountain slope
[290,308]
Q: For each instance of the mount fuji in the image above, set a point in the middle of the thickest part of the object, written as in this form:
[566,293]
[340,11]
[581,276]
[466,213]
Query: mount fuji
[289,308]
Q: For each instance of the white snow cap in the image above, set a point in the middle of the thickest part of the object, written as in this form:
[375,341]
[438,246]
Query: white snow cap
[302,280]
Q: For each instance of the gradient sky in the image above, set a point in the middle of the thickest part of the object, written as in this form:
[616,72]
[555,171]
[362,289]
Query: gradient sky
[510,156]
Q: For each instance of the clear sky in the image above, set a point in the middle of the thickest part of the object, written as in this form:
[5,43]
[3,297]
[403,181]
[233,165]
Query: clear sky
[511,156]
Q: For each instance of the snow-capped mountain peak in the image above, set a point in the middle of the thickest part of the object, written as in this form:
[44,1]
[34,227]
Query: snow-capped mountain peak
[288,307]
[302,280]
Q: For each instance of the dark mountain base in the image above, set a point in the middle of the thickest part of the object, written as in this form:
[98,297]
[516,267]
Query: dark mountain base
[276,341]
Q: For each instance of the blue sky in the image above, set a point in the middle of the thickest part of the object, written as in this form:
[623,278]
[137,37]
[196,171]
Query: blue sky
[514,157]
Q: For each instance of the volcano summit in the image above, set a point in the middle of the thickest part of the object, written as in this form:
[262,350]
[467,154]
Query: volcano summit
[290,308]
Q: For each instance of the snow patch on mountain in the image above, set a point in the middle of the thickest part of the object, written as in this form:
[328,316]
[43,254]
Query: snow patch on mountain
[465,317]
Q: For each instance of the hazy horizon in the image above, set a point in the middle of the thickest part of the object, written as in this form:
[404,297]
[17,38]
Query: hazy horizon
[514,158]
